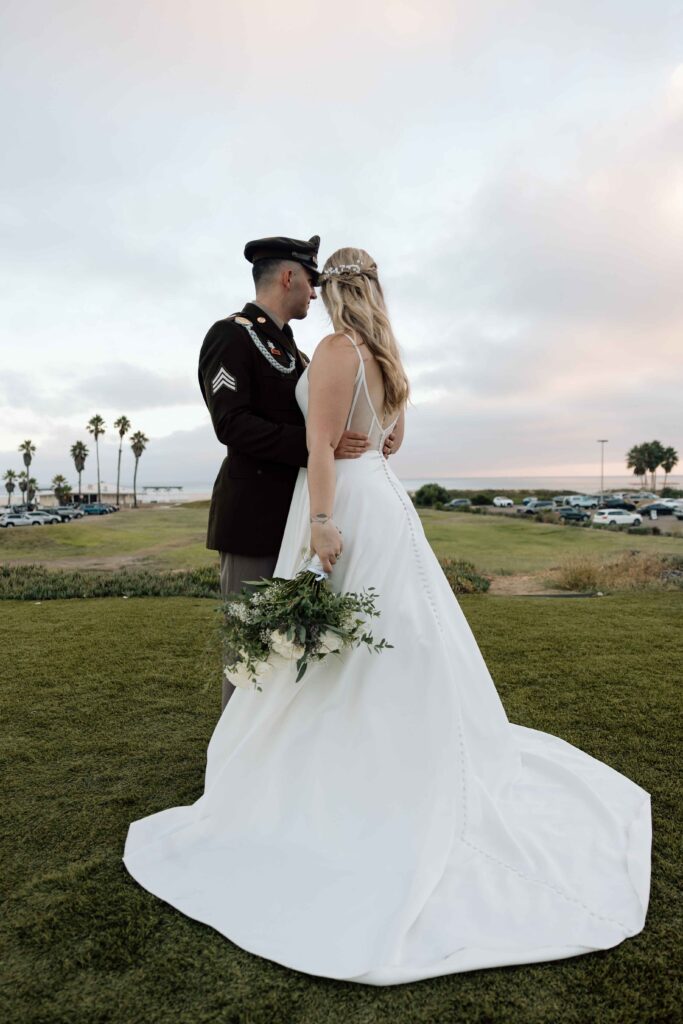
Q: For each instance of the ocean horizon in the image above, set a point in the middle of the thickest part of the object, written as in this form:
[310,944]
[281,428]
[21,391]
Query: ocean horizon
[196,491]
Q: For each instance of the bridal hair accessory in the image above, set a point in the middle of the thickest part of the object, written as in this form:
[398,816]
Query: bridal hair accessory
[347,271]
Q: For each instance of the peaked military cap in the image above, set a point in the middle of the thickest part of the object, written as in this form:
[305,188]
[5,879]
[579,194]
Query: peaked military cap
[279,248]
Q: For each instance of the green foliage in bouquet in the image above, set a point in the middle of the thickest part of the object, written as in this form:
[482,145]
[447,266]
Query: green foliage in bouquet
[300,619]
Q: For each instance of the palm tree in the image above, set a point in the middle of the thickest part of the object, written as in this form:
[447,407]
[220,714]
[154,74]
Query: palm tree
[654,453]
[31,487]
[9,478]
[138,443]
[122,424]
[28,449]
[61,487]
[96,428]
[635,460]
[79,453]
[22,480]
[669,461]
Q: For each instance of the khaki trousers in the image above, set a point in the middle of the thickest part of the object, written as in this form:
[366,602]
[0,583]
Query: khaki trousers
[235,569]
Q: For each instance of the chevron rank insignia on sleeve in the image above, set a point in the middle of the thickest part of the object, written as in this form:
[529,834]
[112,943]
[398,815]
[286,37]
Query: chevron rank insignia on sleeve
[223,379]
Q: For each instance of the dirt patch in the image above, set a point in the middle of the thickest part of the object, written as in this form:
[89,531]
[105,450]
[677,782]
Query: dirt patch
[524,584]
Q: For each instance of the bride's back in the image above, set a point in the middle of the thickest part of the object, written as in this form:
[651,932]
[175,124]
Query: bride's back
[367,414]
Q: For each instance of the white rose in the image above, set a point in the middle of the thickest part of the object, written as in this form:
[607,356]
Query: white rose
[262,668]
[330,642]
[240,675]
[285,648]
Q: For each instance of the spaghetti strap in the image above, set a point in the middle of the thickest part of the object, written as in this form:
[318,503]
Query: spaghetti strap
[356,389]
[355,345]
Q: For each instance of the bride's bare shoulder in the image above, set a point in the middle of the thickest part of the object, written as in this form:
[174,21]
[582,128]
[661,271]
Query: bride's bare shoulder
[334,350]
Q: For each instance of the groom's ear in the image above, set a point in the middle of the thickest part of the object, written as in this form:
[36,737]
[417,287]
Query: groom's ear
[286,275]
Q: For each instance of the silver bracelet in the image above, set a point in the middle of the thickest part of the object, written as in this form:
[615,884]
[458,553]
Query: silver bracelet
[319,517]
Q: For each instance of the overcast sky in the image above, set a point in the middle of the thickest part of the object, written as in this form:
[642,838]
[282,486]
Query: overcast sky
[515,168]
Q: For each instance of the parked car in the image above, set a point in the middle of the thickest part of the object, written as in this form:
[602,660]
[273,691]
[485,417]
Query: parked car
[539,505]
[530,497]
[67,512]
[564,499]
[656,506]
[573,515]
[616,517]
[619,503]
[18,519]
[44,516]
[585,501]
[458,503]
[502,502]
[95,509]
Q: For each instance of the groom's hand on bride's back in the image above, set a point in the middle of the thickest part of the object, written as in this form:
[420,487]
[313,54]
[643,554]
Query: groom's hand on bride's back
[351,445]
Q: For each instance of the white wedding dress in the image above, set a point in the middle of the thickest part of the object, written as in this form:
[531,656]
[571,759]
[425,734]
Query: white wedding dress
[382,821]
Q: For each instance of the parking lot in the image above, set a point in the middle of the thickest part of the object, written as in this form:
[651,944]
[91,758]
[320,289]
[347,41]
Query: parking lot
[16,516]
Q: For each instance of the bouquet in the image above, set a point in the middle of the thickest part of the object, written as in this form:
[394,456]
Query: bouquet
[299,620]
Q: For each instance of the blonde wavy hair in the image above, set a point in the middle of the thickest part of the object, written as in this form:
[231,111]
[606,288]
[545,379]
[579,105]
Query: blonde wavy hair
[354,299]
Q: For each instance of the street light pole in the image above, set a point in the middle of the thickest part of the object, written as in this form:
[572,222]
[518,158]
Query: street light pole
[602,441]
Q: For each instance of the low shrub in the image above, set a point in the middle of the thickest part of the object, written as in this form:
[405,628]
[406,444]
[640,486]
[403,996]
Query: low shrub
[463,577]
[36,583]
[429,495]
[579,573]
[547,517]
[633,570]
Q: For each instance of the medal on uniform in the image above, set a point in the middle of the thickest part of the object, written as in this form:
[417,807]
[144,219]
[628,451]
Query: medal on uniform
[275,351]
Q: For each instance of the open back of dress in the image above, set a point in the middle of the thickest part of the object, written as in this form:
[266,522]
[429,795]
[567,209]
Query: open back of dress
[363,416]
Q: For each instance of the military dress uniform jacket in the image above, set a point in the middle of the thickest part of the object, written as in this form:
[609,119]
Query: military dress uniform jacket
[255,414]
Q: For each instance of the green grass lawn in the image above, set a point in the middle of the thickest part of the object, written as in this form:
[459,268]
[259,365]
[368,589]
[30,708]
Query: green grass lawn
[514,544]
[174,538]
[108,706]
[170,537]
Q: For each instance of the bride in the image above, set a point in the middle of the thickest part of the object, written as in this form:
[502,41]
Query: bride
[382,821]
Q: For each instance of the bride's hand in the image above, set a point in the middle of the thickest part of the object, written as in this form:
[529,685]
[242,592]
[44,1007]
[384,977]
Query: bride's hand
[326,542]
[389,445]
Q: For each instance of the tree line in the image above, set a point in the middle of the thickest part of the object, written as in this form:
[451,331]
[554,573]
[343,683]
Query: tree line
[648,457]
[79,453]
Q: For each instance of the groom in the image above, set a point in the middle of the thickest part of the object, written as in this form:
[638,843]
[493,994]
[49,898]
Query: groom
[249,365]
